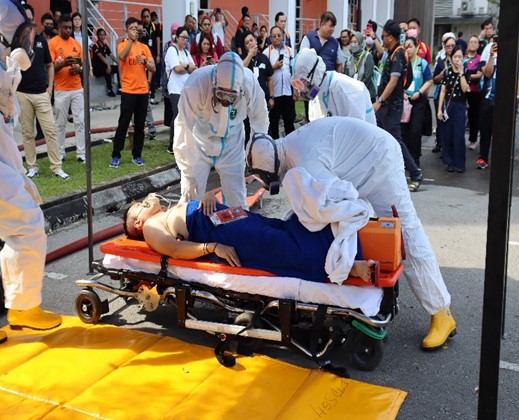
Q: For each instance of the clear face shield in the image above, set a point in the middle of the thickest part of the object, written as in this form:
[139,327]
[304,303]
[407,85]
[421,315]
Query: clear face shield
[22,40]
[304,86]
[21,46]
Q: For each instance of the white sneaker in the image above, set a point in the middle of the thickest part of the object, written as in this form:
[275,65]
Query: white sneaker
[60,173]
[32,172]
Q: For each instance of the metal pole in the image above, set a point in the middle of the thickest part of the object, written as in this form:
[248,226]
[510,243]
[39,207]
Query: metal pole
[499,209]
[88,155]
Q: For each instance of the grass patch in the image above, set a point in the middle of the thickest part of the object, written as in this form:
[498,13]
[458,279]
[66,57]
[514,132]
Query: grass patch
[300,108]
[50,187]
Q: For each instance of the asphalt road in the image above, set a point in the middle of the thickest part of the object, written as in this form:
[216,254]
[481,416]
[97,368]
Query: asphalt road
[441,384]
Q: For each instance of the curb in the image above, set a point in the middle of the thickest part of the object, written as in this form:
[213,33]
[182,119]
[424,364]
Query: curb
[109,198]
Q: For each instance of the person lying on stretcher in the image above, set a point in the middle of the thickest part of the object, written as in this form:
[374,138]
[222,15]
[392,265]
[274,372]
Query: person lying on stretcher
[284,248]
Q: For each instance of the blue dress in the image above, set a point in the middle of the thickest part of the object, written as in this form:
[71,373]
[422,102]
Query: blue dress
[285,248]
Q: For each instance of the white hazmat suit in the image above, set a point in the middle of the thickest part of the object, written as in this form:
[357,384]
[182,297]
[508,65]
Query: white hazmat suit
[339,95]
[371,159]
[22,259]
[208,134]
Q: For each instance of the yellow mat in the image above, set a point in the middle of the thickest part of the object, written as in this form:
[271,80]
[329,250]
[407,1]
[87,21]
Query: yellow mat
[81,371]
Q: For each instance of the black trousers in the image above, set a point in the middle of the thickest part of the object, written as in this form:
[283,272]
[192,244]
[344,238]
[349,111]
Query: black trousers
[135,105]
[389,118]
[108,77]
[486,117]
[412,131]
[474,105]
[173,100]
[283,108]
[438,124]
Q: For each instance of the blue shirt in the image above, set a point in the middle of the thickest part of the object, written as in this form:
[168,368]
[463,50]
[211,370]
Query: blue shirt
[421,74]
[327,51]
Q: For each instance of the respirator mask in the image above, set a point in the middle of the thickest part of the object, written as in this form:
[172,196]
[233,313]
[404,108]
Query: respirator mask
[304,86]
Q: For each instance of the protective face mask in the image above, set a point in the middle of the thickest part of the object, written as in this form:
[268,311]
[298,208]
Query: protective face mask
[370,41]
[49,30]
[305,89]
[412,32]
[21,45]
[355,48]
[226,97]
[10,78]
[21,59]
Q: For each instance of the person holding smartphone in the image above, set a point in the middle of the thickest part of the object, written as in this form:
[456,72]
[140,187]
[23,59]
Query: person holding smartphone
[486,113]
[67,55]
[179,65]
[205,51]
[280,57]
[452,107]
[260,65]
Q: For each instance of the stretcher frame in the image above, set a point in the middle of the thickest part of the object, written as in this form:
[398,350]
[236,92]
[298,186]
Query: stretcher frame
[256,317]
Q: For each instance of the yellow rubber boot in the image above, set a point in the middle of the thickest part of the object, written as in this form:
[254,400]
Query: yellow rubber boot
[3,337]
[34,318]
[443,326]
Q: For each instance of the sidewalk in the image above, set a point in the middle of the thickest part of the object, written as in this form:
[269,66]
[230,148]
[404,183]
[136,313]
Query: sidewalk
[104,114]
[104,117]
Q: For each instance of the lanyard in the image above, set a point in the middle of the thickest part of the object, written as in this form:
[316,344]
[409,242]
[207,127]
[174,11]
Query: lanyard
[357,64]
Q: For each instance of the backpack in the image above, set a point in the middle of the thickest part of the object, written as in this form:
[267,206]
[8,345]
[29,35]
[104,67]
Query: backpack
[408,79]
[164,75]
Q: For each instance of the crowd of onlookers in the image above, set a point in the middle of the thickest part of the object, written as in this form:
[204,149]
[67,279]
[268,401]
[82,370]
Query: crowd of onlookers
[395,65]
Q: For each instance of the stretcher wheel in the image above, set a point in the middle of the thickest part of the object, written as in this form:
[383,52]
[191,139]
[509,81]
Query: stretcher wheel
[88,306]
[245,345]
[246,318]
[365,352]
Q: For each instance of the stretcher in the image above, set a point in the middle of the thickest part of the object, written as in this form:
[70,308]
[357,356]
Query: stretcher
[259,305]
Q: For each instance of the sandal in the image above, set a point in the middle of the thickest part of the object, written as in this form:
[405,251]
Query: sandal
[414,186]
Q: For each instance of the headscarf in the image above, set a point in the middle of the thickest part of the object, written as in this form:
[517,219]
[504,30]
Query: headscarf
[360,40]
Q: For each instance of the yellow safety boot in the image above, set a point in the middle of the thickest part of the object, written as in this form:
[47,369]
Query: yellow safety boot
[34,318]
[443,326]
[3,337]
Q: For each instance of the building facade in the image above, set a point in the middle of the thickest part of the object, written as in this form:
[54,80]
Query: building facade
[462,16]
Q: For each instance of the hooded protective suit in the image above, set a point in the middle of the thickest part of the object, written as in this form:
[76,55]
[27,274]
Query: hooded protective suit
[339,95]
[21,219]
[207,134]
[371,160]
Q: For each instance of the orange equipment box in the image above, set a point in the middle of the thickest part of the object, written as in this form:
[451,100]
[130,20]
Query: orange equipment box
[381,240]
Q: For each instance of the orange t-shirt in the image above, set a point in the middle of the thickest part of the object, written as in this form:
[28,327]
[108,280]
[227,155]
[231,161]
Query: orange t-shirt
[59,50]
[133,73]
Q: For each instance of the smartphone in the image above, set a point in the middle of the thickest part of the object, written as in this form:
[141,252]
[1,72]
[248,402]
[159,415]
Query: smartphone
[280,58]
[369,27]
[494,39]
